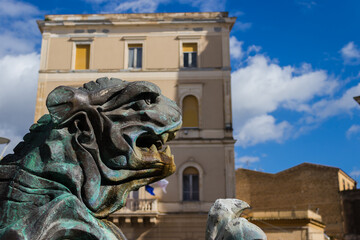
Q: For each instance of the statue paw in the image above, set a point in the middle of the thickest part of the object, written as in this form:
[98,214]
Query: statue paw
[224,222]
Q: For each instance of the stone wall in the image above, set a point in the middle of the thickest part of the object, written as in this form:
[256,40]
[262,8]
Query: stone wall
[351,210]
[306,186]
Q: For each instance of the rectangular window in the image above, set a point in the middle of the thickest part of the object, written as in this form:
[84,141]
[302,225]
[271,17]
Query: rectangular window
[82,60]
[135,56]
[190,54]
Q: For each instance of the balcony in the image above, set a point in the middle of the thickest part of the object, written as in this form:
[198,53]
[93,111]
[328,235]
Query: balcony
[136,211]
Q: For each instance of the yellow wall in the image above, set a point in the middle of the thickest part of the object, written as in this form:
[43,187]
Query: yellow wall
[349,183]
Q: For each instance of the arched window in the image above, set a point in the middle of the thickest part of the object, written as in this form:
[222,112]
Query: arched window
[191,184]
[190,111]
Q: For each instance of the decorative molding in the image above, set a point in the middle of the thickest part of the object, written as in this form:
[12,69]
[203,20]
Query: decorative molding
[82,39]
[133,38]
[193,89]
[188,37]
[180,171]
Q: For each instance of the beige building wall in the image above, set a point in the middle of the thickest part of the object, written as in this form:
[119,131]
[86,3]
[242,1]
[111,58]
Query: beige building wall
[209,148]
[108,53]
[289,224]
[175,227]
[211,51]
[60,53]
[162,53]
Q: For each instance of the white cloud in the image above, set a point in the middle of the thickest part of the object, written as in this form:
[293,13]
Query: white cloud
[236,51]
[242,26]
[351,53]
[206,5]
[263,86]
[17,99]
[19,9]
[355,173]
[306,3]
[18,30]
[262,129]
[353,130]
[95,1]
[247,159]
[237,13]
[14,140]
[11,44]
[19,65]
[150,6]
[327,108]
[138,6]
[253,49]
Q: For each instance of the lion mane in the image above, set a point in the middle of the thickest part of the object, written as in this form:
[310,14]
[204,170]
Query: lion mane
[79,162]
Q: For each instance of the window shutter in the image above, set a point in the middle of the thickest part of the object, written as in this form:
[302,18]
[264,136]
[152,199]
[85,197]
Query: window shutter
[82,56]
[190,112]
[189,47]
[135,45]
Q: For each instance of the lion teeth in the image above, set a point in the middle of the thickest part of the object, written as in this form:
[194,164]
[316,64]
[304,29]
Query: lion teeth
[167,151]
[153,148]
[165,137]
[138,152]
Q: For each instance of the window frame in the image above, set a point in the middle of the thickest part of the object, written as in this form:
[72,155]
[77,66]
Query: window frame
[134,40]
[135,59]
[194,89]
[190,56]
[193,194]
[189,39]
[190,163]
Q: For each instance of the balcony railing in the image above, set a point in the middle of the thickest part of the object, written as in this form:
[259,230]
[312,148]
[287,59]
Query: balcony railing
[136,211]
[139,206]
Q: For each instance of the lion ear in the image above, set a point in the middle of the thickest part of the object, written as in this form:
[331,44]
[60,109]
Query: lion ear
[83,128]
[64,101]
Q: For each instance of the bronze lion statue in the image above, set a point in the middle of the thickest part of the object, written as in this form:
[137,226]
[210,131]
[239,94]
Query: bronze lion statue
[79,162]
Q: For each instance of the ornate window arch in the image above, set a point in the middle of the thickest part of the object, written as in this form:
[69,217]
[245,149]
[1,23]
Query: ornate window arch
[190,178]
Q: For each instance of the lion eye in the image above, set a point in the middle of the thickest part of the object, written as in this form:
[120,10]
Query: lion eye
[148,101]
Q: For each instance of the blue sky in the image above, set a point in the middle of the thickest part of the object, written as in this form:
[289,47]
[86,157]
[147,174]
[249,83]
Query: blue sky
[295,69]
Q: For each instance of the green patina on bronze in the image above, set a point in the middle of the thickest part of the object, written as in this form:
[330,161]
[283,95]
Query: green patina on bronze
[79,162]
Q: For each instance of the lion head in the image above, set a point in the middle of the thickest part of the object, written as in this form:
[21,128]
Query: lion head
[100,142]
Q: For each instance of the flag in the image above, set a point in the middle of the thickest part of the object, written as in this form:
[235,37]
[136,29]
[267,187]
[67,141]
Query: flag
[150,189]
[161,184]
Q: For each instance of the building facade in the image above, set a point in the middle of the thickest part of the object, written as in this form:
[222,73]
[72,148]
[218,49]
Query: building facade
[350,200]
[187,56]
[289,224]
[307,186]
